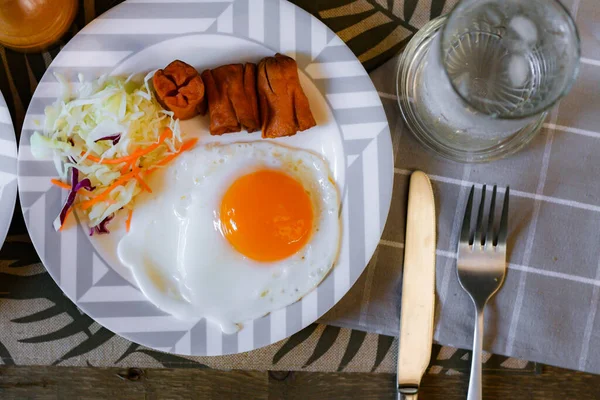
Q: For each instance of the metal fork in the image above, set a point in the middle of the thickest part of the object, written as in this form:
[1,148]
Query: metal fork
[481,270]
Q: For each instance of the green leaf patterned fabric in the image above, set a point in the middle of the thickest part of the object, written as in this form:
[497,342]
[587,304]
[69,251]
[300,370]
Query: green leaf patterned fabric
[375,30]
[40,326]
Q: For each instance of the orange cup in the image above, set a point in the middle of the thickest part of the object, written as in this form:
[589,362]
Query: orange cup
[33,25]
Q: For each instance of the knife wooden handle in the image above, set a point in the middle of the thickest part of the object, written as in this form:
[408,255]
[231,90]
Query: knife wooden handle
[418,284]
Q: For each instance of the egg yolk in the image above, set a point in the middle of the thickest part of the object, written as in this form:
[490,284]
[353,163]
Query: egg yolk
[267,215]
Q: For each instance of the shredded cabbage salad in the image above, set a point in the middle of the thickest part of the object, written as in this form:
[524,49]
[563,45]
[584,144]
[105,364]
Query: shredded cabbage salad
[106,139]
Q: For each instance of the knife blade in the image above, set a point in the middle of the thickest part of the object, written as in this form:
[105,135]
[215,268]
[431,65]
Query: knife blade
[418,286]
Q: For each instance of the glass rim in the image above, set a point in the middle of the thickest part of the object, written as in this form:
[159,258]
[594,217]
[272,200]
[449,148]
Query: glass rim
[403,74]
[562,93]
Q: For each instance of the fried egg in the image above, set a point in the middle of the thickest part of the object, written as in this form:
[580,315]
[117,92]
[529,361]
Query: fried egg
[232,232]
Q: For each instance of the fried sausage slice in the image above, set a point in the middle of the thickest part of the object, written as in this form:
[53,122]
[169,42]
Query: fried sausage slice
[232,99]
[180,89]
[283,105]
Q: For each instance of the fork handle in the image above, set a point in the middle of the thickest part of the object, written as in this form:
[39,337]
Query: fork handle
[475,379]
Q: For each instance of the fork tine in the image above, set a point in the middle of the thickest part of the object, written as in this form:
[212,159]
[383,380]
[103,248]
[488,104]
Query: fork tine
[466,225]
[490,230]
[478,236]
[503,230]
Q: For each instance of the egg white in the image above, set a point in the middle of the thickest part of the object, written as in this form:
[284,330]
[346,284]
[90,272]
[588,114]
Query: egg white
[185,266]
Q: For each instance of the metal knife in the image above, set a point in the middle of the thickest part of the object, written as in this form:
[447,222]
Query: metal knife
[418,287]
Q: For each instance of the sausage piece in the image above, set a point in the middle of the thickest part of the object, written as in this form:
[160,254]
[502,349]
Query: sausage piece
[284,108]
[232,99]
[180,89]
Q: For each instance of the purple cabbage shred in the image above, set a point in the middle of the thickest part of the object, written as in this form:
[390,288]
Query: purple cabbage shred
[101,228]
[75,186]
[115,138]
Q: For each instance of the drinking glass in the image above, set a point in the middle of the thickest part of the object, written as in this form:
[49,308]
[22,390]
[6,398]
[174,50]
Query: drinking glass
[476,85]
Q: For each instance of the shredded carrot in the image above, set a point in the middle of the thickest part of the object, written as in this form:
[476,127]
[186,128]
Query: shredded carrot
[143,184]
[132,171]
[66,217]
[60,184]
[188,144]
[126,168]
[167,160]
[135,154]
[99,160]
[102,196]
[128,221]
[150,171]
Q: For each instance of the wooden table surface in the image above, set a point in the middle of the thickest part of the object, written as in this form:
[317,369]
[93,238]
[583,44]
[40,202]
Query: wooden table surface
[124,384]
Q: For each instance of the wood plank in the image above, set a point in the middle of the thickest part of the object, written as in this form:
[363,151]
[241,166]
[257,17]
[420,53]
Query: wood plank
[115,383]
[552,383]
[332,386]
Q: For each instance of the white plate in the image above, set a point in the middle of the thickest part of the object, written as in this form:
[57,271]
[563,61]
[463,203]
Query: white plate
[352,134]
